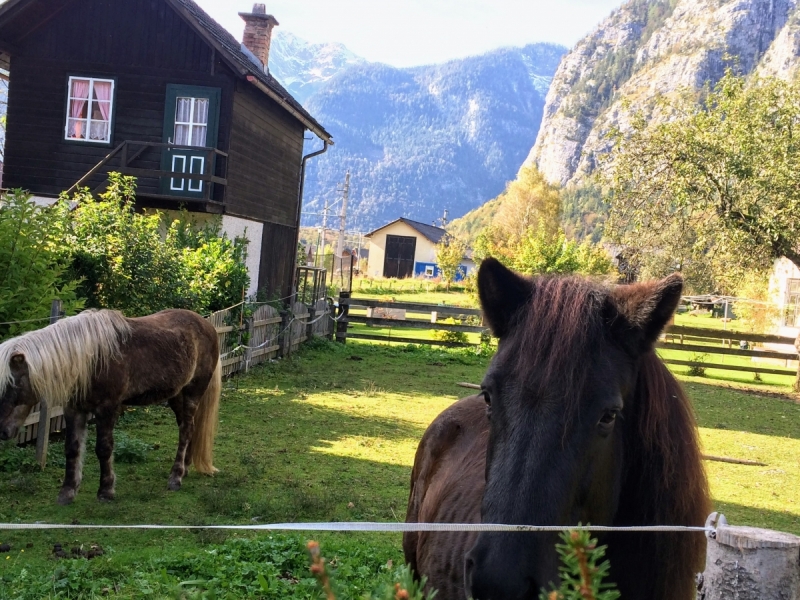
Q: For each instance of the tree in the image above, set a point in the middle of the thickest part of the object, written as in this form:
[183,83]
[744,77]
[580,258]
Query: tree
[449,253]
[715,190]
[529,201]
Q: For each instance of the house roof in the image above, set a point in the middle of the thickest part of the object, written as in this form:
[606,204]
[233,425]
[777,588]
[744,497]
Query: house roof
[433,233]
[234,53]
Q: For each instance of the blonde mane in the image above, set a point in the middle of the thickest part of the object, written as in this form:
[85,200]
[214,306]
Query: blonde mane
[63,357]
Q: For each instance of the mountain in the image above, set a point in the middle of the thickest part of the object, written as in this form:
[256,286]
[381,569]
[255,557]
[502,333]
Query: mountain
[303,68]
[651,47]
[421,140]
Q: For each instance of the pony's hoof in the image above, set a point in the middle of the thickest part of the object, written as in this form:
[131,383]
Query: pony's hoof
[65,497]
[106,496]
[174,485]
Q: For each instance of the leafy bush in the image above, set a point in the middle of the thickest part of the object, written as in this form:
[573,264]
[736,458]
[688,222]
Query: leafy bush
[129,449]
[445,335]
[698,370]
[139,264]
[32,272]
[14,458]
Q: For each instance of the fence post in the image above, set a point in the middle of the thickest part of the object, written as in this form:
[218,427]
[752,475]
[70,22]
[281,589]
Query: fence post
[330,323]
[286,327]
[797,378]
[43,434]
[309,326]
[248,334]
[747,563]
[341,323]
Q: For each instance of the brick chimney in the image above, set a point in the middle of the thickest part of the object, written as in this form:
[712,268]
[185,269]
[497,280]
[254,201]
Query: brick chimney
[258,32]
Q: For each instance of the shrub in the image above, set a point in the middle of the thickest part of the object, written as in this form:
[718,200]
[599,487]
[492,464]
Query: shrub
[127,261]
[32,272]
[698,370]
[444,335]
[129,449]
[582,571]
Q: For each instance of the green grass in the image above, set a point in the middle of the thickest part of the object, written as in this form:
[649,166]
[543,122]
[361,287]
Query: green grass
[321,436]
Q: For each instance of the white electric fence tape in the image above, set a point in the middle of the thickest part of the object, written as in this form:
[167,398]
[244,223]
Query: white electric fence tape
[376,527]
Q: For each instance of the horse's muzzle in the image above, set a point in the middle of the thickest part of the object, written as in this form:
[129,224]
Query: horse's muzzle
[7,433]
[482,582]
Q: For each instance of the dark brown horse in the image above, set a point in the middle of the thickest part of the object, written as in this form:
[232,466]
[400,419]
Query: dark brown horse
[578,421]
[98,362]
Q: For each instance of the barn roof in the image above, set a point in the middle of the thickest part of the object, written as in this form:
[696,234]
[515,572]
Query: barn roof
[433,233]
[231,50]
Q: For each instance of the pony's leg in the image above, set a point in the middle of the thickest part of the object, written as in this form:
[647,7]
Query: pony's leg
[73,449]
[185,421]
[105,454]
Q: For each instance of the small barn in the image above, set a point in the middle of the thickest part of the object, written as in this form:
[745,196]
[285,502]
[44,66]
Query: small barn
[158,90]
[406,248]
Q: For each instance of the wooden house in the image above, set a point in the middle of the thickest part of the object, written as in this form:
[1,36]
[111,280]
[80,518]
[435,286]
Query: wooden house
[406,248]
[157,89]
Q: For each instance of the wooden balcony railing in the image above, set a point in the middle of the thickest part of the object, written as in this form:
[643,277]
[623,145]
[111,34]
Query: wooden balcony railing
[130,150]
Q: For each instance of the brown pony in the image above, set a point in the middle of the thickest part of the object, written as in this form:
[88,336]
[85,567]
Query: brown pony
[578,422]
[99,362]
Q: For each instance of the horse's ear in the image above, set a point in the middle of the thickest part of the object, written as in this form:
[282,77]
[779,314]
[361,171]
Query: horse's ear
[502,293]
[647,308]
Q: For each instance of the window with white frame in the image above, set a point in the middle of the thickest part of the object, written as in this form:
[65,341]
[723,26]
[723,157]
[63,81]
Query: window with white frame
[792,309]
[191,121]
[89,109]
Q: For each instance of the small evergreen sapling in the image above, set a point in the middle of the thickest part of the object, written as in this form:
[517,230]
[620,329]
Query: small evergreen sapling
[583,570]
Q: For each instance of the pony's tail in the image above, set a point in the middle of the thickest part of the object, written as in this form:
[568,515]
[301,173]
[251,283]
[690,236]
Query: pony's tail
[205,424]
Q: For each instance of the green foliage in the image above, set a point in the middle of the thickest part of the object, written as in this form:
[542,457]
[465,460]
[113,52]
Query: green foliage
[715,191]
[450,253]
[32,273]
[759,314]
[403,586]
[582,570]
[525,234]
[538,253]
[127,261]
[129,449]
[584,212]
[444,335]
[698,369]
[14,459]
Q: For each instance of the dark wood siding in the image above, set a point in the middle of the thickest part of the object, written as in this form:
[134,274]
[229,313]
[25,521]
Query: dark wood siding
[264,163]
[143,44]
[275,273]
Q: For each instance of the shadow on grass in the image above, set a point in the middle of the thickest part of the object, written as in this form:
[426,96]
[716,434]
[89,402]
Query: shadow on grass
[737,514]
[725,408]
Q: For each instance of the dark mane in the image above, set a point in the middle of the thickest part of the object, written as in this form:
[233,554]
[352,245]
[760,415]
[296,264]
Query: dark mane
[559,329]
[671,486]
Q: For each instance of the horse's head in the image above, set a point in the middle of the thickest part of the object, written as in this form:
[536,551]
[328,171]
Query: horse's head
[559,395]
[16,397]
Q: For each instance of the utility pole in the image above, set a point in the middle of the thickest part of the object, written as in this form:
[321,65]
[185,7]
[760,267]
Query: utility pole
[321,246]
[343,214]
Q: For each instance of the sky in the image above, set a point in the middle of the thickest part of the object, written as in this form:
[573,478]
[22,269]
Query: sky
[405,33]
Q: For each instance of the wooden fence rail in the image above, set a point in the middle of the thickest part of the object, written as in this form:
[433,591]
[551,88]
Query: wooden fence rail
[694,340]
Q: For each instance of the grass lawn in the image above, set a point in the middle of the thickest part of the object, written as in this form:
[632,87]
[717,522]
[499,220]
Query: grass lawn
[320,436]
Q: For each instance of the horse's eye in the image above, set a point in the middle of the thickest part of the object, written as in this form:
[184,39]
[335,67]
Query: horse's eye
[486,398]
[607,420]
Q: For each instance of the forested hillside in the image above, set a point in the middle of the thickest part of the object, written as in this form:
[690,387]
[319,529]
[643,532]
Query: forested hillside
[419,141]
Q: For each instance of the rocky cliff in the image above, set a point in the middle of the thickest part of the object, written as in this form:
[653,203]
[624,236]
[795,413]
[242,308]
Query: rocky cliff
[651,47]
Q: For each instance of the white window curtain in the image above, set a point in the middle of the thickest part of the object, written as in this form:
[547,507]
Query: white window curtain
[191,122]
[90,109]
